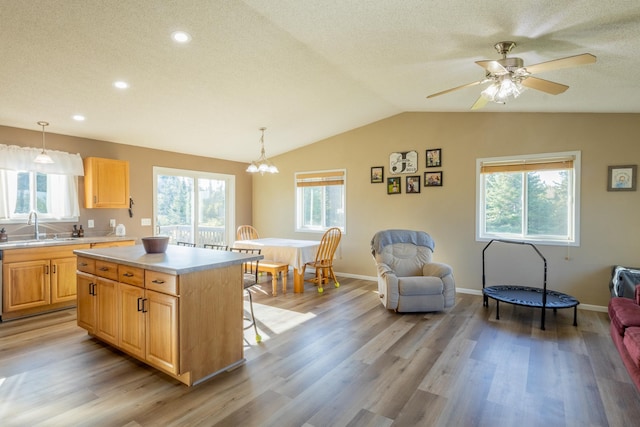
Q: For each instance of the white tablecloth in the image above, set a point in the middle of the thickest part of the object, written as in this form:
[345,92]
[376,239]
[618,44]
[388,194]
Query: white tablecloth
[294,252]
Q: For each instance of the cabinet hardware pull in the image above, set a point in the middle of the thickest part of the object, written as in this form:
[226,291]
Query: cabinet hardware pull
[54,269]
[46,269]
[83,264]
[127,274]
[158,281]
[140,304]
[92,289]
[144,309]
[104,268]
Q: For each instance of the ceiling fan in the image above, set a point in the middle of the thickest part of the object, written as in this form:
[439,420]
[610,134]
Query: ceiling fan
[509,77]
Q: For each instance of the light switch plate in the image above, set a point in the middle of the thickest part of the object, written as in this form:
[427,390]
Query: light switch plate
[145,221]
[90,224]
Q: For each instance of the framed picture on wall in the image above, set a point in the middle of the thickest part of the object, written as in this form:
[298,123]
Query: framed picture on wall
[434,158]
[622,178]
[393,185]
[403,162]
[377,174]
[433,179]
[413,184]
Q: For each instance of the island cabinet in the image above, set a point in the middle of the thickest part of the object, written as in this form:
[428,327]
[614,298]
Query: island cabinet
[39,279]
[186,322]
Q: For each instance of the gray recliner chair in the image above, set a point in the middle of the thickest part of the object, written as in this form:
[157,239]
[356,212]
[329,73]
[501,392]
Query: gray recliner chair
[408,281]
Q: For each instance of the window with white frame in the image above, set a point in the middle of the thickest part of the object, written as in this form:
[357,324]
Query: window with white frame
[533,198]
[320,200]
[193,206]
[51,190]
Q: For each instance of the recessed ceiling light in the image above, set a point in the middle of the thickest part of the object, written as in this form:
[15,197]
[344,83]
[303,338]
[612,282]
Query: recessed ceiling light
[121,85]
[181,37]
[78,117]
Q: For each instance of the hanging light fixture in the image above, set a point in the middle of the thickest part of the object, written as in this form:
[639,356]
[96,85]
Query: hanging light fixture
[263,164]
[43,157]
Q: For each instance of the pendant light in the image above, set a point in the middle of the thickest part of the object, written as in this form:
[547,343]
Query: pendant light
[263,164]
[43,157]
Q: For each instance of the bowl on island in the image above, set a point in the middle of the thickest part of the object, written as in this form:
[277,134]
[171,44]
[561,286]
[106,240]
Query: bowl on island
[155,244]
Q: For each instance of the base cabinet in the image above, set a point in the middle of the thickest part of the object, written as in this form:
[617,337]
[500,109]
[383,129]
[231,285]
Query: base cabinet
[38,280]
[186,325]
[142,322]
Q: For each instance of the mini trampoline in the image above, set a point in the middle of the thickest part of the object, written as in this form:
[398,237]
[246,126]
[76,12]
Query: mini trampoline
[525,295]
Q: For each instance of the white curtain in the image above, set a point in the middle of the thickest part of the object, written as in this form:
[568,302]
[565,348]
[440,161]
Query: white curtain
[62,182]
[17,158]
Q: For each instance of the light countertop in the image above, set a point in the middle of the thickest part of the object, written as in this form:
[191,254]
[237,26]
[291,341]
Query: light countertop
[20,244]
[176,260]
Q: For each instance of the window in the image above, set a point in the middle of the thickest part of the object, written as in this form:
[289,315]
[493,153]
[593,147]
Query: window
[53,197]
[320,200]
[194,207]
[532,198]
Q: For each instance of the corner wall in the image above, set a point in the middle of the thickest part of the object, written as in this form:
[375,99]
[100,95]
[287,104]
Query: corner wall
[609,229]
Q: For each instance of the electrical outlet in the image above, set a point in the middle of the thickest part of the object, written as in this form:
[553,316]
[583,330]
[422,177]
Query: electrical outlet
[90,224]
[112,223]
[145,221]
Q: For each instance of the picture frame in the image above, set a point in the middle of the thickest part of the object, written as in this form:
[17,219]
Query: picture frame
[434,157]
[394,185]
[403,162]
[622,178]
[377,174]
[412,184]
[433,179]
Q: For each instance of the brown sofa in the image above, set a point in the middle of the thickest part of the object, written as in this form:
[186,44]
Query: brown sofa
[625,332]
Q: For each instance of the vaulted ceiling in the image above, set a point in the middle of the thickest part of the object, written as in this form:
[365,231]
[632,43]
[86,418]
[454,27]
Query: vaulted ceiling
[304,69]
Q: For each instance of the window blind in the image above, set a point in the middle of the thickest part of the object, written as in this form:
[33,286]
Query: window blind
[314,179]
[557,163]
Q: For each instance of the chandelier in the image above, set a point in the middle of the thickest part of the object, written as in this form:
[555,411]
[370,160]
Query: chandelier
[43,157]
[263,164]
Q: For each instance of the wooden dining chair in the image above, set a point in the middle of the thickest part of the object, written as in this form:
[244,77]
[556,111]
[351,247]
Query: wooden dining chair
[216,247]
[191,245]
[249,279]
[324,259]
[246,232]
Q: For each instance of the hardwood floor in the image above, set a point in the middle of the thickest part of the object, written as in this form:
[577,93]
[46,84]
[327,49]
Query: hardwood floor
[336,359]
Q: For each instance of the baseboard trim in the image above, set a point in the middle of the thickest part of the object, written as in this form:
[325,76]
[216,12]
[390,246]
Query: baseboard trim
[587,307]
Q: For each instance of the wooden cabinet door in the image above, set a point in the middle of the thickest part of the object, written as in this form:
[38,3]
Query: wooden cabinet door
[86,301]
[63,279]
[26,285]
[107,310]
[106,183]
[132,321]
[162,331]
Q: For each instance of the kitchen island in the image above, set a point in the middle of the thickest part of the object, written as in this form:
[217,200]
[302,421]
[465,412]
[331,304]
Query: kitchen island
[180,311]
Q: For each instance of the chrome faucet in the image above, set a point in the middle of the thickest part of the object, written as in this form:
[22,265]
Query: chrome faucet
[34,214]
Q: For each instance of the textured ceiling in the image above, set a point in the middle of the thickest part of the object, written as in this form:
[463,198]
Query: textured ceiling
[305,69]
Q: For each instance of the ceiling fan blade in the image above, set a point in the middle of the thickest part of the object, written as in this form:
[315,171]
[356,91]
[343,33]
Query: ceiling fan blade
[493,67]
[570,61]
[544,85]
[480,103]
[455,88]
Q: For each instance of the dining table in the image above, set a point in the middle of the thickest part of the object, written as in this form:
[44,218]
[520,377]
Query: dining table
[293,252]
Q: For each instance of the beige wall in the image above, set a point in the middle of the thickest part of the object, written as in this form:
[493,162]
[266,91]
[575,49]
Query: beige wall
[141,163]
[609,220]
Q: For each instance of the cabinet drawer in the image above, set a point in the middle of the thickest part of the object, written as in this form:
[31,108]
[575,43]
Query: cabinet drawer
[106,269]
[161,282]
[88,265]
[131,275]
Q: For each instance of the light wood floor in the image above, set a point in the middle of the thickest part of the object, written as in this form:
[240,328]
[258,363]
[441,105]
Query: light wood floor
[337,359]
